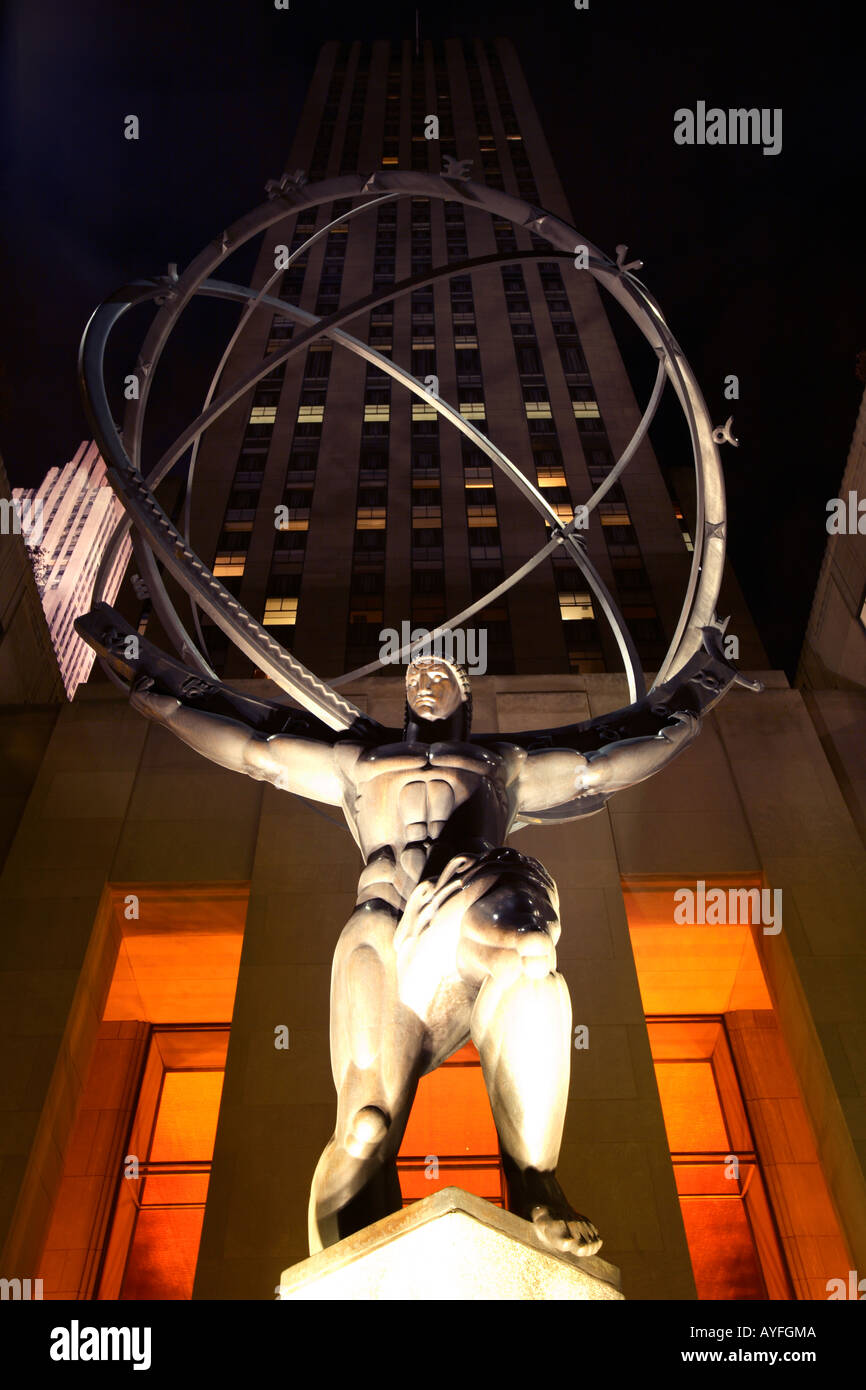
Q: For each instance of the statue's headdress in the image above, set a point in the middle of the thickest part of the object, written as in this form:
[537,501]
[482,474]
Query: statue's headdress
[455,727]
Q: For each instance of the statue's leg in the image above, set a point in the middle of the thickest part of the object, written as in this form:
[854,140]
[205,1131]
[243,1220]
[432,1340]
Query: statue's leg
[521,1025]
[376,1046]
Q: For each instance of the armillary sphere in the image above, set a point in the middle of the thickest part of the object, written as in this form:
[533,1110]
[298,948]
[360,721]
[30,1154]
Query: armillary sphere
[157,541]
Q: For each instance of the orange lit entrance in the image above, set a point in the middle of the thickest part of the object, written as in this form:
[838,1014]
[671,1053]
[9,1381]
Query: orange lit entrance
[156,1229]
[127,1223]
[451,1140]
[755,1204]
[733,1242]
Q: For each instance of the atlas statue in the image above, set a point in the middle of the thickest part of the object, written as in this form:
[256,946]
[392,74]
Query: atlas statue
[453,935]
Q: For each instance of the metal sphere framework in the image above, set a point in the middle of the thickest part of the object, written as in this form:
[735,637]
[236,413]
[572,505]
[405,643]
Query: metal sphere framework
[157,540]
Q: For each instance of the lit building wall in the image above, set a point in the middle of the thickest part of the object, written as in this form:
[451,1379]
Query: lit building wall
[77,514]
[120,803]
[29,674]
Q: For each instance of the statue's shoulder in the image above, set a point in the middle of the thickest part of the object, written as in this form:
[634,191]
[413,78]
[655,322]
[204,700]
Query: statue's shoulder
[348,752]
[500,746]
[476,756]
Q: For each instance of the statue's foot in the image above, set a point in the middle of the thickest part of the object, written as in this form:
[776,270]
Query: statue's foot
[569,1232]
[544,1203]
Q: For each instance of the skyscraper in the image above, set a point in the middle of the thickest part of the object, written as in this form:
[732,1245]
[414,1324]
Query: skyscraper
[29,673]
[391,516]
[78,512]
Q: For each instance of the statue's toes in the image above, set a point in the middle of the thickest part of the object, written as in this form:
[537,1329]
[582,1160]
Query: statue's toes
[585,1237]
[574,1235]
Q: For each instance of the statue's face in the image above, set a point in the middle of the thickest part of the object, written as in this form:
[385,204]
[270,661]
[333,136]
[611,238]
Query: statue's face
[432,690]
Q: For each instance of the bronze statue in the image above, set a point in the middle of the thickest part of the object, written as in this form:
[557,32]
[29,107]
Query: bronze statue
[453,935]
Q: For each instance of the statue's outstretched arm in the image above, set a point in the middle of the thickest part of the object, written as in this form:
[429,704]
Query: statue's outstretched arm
[292,764]
[550,777]
[570,771]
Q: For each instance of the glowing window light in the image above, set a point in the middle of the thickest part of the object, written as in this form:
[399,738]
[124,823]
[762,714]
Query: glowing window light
[280,609]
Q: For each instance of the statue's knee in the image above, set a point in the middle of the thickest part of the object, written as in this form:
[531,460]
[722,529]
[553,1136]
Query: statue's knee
[536,953]
[367,1131]
[370,928]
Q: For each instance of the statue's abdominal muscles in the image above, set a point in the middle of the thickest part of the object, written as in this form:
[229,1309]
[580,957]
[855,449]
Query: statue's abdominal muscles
[400,805]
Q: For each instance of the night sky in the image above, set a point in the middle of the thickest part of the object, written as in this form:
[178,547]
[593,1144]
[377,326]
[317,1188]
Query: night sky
[756,260]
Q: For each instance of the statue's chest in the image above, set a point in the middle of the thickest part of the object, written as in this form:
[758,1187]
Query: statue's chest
[416,802]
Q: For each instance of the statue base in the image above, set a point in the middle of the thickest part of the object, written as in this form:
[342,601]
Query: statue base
[450,1246]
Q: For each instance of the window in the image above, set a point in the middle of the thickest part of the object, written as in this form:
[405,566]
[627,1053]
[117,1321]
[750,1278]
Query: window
[229,562]
[297,521]
[574,606]
[572,360]
[731,1234]
[478,477]
[550,475]
[613,513]
[156,1229]
[423,359]
[318,362]
[528,360]
[280,609]
[689,545]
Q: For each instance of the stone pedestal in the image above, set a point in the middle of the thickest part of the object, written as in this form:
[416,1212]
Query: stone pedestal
[452,1246]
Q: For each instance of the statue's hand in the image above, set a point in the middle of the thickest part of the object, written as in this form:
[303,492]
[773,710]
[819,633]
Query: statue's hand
[683,727]
[160,707]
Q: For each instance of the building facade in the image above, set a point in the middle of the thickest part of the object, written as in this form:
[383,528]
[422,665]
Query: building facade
[77,513]
[168,926]
[832,670]
[391,516]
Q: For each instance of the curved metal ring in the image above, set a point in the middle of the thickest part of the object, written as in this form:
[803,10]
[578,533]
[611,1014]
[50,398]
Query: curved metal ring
[708,559]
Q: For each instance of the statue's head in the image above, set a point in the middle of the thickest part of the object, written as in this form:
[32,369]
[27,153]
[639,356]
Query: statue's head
[438,692]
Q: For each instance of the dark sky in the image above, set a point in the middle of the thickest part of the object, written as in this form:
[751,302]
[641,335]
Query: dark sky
[755,259]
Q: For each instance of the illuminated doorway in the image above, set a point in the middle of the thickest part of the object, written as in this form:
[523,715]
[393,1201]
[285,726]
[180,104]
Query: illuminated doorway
[732,1237]
[159,1208]
[725,1077]
[165,976]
